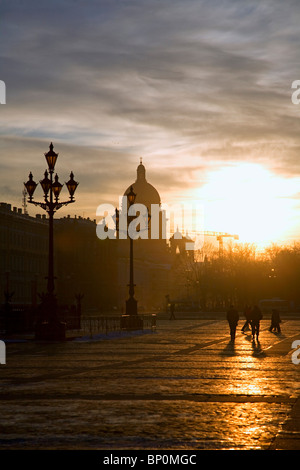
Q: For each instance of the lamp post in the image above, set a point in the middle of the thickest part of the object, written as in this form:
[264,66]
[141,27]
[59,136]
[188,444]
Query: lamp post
[131,303]
[131,320]
[51,328]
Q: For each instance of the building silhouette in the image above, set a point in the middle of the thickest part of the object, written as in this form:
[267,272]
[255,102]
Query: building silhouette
[95,270]
[23,254]
[152,258]
[82,264]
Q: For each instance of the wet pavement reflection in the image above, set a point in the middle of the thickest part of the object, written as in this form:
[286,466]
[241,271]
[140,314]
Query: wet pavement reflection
[186,386]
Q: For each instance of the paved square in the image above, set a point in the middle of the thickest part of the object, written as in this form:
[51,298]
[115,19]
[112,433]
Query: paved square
[184,386]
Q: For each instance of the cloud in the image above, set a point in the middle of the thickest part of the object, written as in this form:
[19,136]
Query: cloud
[187,85]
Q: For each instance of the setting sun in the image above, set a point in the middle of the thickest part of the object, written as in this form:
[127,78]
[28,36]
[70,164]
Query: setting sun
[250,201]
[149,230]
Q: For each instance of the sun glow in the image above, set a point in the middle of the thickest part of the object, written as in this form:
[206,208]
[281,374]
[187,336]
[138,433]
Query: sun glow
[248,200]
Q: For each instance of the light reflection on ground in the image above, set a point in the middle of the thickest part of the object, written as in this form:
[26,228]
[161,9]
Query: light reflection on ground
[185,387]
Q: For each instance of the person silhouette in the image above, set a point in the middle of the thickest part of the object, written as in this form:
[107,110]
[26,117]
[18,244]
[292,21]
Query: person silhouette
[232,318]
[172,310]
[275,321]
[256,316]
[247,314]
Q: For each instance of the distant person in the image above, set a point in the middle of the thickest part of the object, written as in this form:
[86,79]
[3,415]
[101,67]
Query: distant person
[232,318]
[256,316]
[247,314]
[167,302]
[275,321]
[172,310]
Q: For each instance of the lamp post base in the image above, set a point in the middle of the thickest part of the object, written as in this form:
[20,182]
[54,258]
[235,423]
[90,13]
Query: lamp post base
[131,320]
[50,331]
[48,326]
[131,306]
[131,323]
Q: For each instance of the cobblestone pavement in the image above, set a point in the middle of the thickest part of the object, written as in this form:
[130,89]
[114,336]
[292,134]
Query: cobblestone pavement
[183,387]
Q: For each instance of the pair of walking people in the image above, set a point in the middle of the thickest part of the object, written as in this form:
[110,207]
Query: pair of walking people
[253,317]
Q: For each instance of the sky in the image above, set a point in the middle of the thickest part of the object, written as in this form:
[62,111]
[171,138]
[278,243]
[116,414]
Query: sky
[200,89]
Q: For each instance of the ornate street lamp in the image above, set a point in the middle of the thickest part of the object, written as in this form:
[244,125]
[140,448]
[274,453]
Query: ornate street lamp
[30,186]
[71,185]
[46,183]
[51,158]
[52,328]
[131,196]
[131,320]
[131,303]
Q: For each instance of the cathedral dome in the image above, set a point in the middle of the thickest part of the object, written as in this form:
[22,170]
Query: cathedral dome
[145,193]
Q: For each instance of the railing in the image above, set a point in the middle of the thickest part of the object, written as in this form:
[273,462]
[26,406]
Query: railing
[23,318]
[97,325]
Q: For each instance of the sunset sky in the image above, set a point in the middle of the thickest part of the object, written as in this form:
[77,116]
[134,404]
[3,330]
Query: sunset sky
[201,90]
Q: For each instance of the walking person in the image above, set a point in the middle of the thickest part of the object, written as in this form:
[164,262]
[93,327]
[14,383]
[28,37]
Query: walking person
[172,310]
[275,321]
[232,318]
[256,316]
[247,314]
